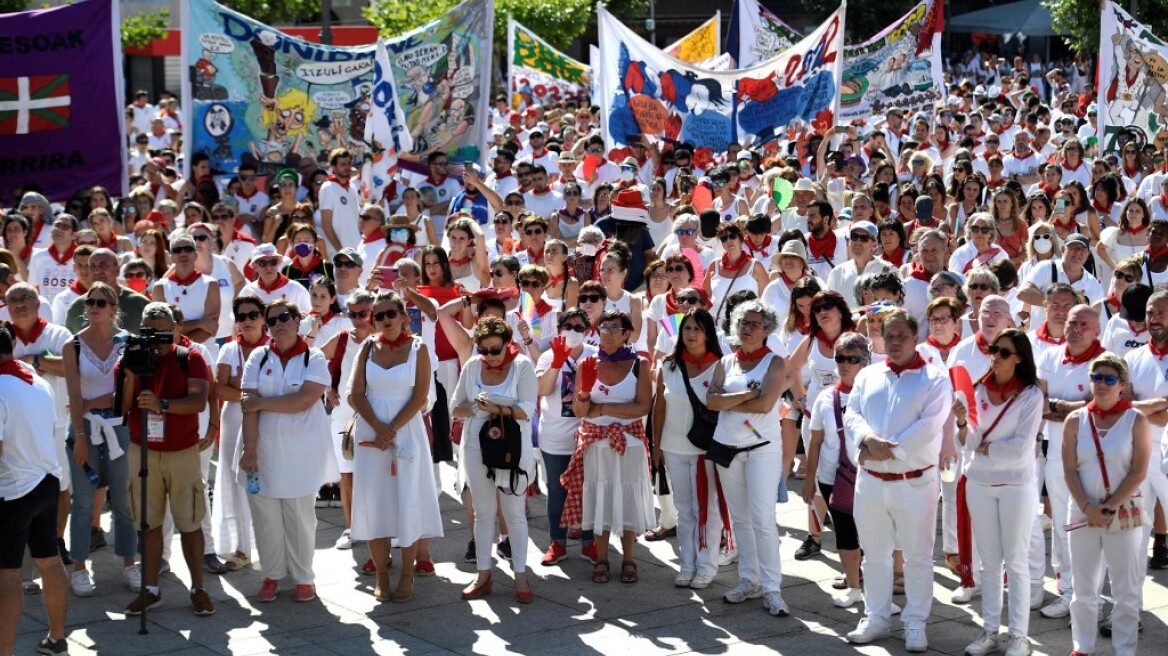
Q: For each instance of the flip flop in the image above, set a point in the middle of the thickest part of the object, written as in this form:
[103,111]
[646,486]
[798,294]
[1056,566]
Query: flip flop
[898,584]
[628,572]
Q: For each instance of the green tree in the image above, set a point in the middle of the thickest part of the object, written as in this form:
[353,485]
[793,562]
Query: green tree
[140,29]
[273,11]
[1080,19]
[13,6]
[865,19]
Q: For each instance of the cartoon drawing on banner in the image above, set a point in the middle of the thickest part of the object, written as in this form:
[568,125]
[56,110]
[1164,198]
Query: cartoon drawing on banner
[899,67]
[1133,76]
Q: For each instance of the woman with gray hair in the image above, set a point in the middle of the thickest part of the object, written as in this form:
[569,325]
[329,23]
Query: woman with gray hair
[687,229]
[827,457]
[980,248]
[747,445]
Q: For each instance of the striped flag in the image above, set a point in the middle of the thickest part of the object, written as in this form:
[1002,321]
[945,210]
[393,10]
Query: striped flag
[31,104]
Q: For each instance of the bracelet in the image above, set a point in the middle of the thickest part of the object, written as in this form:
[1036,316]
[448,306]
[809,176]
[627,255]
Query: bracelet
[962,424]
[528,341]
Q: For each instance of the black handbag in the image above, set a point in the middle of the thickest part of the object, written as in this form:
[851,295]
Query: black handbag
[501,442]
[723,455]
[701,431]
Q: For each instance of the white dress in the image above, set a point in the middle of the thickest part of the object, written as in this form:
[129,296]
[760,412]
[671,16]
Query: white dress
[394,494]
[230,514]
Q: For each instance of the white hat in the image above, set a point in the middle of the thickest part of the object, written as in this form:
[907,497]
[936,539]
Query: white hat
[804,184]
[262,251]
[629,205]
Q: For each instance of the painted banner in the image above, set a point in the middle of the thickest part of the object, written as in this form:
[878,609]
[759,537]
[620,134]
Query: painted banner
[385,130]
[700,44]
[61,100]
[756,34]
[900,67]
[1133,82]
[253,93]
[643,91]
[549,74]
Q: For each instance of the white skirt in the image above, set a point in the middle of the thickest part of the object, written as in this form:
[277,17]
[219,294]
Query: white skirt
[617,495]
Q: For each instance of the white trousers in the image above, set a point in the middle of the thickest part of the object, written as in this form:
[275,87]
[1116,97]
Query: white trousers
[285,531]
[891,515]
[1123,551]
[1155,487]
[683,471]
[949,510]
[1060,496]
[1001,531]
[1037,534]
[486,505]
[750,483]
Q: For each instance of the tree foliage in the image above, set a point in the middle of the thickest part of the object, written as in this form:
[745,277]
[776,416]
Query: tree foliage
[275,11]
[1080,18]
[865,19]
[13,6]
[140,29]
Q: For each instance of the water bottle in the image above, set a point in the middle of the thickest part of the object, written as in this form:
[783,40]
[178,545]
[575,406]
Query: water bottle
[92,475]
[253,483]
[783,489]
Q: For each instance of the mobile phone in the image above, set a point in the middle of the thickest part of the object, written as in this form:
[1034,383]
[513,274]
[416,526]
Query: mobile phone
[1060,206]
[388,276]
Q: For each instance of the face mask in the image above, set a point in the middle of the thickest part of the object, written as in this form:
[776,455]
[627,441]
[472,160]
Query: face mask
[137,284]
[573,338]
[303,249]
[587,250]
[628,176]
[399,235]
[1043,246]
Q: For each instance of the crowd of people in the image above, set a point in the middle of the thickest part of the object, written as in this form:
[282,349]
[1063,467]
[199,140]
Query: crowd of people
[960,310]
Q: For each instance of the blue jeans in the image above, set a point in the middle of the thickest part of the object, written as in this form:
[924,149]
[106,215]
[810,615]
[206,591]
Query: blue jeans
[116,475]
[556,496]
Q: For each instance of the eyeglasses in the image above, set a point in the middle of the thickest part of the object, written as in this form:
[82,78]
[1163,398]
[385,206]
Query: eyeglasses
[136,275]
[486,352]
[358,314]
[179,250]
[728,236]
[685,232]
[937,320]
[240,317]
[1109,380]
[369,217]
[591,298]
[861,237]
[676,268]
[612,330]
[848,359]
[994,349]
[386,315]
[530,284]
[981,230]
[1126,277]
[575,327]
[346,264]
[749,324]
[571,194]
[1042,236]
[283,317]
[96,302]
[533,232]
[979,287]
[689,300]
[263,264]
[201,238]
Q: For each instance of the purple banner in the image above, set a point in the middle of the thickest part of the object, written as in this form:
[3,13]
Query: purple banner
[61,101]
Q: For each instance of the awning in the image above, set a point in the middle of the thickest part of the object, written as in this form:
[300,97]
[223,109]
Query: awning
[1029,17]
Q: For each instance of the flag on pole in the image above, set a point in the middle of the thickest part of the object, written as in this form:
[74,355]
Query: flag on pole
[385,130]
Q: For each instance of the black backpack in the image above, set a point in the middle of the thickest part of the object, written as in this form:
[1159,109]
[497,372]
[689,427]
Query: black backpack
[501,442]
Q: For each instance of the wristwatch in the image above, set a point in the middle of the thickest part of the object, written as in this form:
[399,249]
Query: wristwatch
[165,405]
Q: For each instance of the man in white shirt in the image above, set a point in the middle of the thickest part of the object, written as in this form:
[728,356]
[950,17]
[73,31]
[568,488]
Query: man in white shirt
[143,113]
[537,153]
[51,269]
[893,424]
[827,246]
[1022,162]
[862,241]
[340,203]
[502,180]
[1076,250]
[140,153]
[158,137]
[541,199]
[446,187]
[250,202]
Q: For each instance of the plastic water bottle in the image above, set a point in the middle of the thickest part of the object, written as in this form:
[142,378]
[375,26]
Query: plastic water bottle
[783,489]
[92,475]
[253,483]
[949,474]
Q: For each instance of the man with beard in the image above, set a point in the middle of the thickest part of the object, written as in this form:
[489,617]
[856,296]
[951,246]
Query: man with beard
[541,200]
[828,247]
[340,203]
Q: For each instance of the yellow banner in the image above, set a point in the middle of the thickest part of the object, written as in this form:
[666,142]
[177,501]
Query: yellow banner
[701,44]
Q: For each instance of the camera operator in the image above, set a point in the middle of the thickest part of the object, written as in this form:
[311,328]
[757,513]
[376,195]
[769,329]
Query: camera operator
[176,395]
[103,267]
[30,476]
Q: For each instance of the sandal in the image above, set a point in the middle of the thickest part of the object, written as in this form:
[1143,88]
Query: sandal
[841,582]
[237,561]
[600,575]
[898,583]
[212,565]
[660,533]
[628,572]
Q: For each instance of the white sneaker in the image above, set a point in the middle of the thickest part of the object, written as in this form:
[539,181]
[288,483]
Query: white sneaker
[133,577]
[895,610]
[1018,646]
[965,595]
[345,541]
[683,579]
[702,581]
[81,584]
[915,640]
[866,632]
[773,602]
[1056,609]
[741,592]
[727,557]
[1047,524]
[988,643]
[1037,595]
[849,598]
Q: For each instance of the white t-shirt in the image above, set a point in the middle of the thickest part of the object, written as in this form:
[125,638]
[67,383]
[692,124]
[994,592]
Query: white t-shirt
[823,419]
[26,431]
[557,425]
[345,204]
[51,275]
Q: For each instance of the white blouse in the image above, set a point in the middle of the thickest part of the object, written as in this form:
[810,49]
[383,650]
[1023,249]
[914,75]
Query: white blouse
[1011,458]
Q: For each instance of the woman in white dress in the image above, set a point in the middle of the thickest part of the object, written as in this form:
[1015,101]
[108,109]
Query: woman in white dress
[467,250]
[394,493]
[497,385]
[230,514]
[736,270]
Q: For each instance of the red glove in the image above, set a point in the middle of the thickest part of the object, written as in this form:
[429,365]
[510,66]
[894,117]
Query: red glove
[587,378]
[560,351]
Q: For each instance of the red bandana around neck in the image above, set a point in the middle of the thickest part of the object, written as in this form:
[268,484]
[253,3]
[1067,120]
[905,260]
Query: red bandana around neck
[33,335]
[896,257]
[1157,351]
[332,177]
[982,344]
[727,267]
[376,235]
[1099,207]
[459,261]
[744,357]
[932,341]
[1113,300]
[917,363]
[324,318]
[919,272]
[1121,406]
[402,338]
[299,348]
[706,358]
[246,345]
[1012,386]
[313,262]
[1093,351]
[1156,254]
[281,280]
[1043,334]
[509,354]
[14,368]
[823,249]
[760,250]
[173,276]
[62,259]
[843,389]
[77,288]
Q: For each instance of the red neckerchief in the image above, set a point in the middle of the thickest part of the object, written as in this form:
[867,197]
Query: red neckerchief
[33,335]
[944,348]
[246,345]
[917,363]
[1069,226]
[828,346]
[248,196]
[554,280]
[727,267]
[918,272]
[436,182]
[281,280]
[333,178]
[822,248]
[402,338]
[297,349]
[172,276]
[761,250]
[459,261]
[1121,406]
[509,354]
[239,235]
[1043,334]
[706,358]
[801,324]
[1152,255]
[994,184]
[895,258]
[1100,208]
[374,236]
[1164,201]
[1112,300]
[1131,172]
[14,368]
[77,288]
[1136,331]
[1093,351]
[671,302]
[744,357]
[982,344]
[1012,387]
[533,257]
[1014,152]
[112,244]
[62,259]
[1050,191]
[312,263]
[1156,351]
[1135,231]
[324,318]
[843,389]
[36,233]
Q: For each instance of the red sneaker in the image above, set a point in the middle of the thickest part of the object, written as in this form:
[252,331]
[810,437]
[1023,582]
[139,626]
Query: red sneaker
[268,590]
[369,568]
[555,553]
[424,568]
[588,552]
[305,592]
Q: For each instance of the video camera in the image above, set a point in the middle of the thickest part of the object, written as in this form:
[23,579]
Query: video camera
[140,357]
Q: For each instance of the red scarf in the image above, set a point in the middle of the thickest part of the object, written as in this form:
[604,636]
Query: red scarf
[509,354]
[759,251]
[376,235]
[1152,255]
[787,281]
[305,268]
[333,178]
[744,357]
[299,348]
[281,280]
[706,358]
[1100,208]
[246,345]
[1121,406]
[33,335]
[671,302]
[533,257]
[402,338]
[1131,230]
[917,363]
[918,272]
[459,261]
[932,341]
[895,258]
[34,235]
[743,259]
[828,345]
[14,368]
[239,235]
[1164,201]
[77,288]
[172,275]
[1012,386]
[62,259]
[1157,351]
[824,248]
[1132,171]
[801,324]
[982,344]
[1093,351]
[843,389]
[112,244]
[1043,334]
[324,318]
[1113,301]
[1050,191]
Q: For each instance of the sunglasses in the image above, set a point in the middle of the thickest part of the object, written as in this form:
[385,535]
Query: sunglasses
[1109,380]
[728,236]
[676,268]
[386,315]
[247,177]
[1043,236]
[438,163]
[240,317]
[346,264]
[137,275]
[369,217]
[530,284]
[571,194]
[201,238]
[486,352]
[513,203]
[685,232]
[502,221]
[223,217]
[575,327]
[533,232]
[96,302]
[981,230]
[498,273]
[263,264]
[861,237]
[591,298]
[689,300]
[848,359]
[178,250]
[1126,277]
[979,287]
[283,317]
[358,314]
[994,349]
